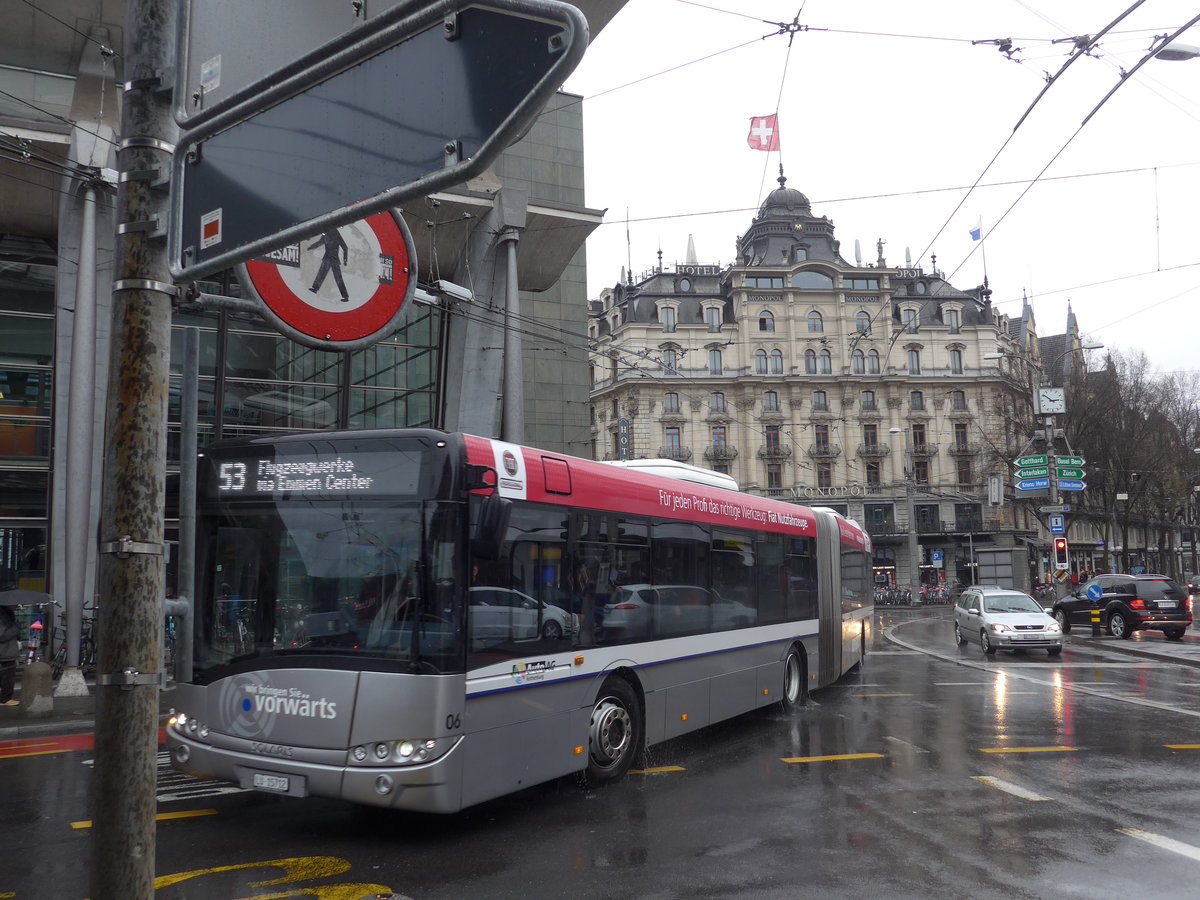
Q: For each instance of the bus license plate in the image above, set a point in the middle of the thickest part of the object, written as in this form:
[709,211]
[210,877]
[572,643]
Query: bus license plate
[277,783]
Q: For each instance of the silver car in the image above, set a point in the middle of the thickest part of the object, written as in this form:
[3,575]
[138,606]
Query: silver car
[643,610]
[1005,619]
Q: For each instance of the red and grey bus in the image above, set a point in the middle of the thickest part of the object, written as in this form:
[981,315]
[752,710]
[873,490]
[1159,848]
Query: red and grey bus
[424,620]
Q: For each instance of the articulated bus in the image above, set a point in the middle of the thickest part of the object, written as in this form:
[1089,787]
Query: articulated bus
[424,620]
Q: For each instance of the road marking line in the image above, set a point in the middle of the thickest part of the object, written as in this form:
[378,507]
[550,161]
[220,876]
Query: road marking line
[1009,788]
[655,770]
[161,817]
[832,758]
[962,683]
[1182,746]
[881,695]
[1165,842]
[1026,749]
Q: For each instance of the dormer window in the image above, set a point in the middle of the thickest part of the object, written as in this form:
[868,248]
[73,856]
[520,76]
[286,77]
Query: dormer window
[669,318]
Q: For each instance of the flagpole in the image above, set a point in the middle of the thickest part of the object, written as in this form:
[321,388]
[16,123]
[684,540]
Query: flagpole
[983,250]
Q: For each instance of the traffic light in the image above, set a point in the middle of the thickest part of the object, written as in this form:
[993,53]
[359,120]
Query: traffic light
[1060,553]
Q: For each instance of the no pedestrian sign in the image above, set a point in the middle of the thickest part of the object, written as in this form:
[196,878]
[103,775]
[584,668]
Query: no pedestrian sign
[341,290]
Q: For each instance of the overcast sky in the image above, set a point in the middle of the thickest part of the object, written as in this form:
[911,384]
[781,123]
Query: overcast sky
[888,113]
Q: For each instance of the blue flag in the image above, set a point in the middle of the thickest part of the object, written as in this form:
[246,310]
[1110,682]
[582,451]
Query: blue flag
[977,230]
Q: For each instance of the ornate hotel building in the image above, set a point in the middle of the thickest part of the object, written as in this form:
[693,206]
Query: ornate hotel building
[862,388]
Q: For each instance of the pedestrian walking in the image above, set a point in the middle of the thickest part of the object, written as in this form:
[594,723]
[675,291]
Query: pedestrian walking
[9,632]
[331,262]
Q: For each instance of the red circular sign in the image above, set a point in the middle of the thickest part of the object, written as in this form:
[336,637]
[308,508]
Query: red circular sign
[347,286]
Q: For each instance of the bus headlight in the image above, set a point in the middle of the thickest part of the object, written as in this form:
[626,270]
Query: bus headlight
[406,751]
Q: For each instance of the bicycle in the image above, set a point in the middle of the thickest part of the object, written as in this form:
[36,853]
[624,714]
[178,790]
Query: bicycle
[87,648]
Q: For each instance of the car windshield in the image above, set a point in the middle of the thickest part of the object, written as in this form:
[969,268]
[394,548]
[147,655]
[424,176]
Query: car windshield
[1011,603]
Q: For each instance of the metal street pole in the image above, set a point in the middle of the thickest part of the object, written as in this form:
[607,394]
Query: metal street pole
[914,561]
[131,524]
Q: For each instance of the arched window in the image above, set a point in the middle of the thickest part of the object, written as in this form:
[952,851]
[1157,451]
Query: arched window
[766,321]
[770,401]
[669,362]
[826,363]
[862,323]
[958,400]
[956,362]
[873,362]
[910,319]
[670,402]
[714,362]
[868,401]
[858,362]
[666,315]
[914,362]
[815,323]
[916,400]
[716,402]
[760,362]
[810,362]
[812,280]
[820,401]
[776,362]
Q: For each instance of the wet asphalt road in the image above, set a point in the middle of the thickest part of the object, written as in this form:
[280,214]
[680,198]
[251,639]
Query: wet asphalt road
[955,775]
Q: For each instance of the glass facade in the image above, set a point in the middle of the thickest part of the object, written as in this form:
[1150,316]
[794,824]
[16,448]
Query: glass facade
[252,381]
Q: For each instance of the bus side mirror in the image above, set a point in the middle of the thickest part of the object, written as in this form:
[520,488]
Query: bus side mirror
[492,526]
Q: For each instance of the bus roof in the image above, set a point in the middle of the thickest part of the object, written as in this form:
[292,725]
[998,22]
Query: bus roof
[681,471]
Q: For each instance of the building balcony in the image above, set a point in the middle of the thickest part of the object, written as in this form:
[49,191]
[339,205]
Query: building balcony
[873,451]
[774,451]
[723,452]
[924,451]
[683,454]
[824,451]
[963,449]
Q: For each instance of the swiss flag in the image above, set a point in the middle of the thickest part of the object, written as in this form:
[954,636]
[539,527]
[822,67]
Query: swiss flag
[764,133]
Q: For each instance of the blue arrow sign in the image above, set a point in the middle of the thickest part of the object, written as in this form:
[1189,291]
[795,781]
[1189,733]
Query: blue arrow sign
[1095,592]
[1058,524]
[1034,484]
[1071,484]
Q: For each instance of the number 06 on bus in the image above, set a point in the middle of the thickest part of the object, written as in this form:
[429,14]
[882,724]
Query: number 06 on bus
[424,620]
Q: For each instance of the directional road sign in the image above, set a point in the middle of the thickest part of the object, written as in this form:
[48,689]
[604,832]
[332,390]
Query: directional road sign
[1069,460]
[1057,508]
[344,290]
[1032,461]
[1095,592]
[1057,523]
[1071,485]
[423,101]
[1033,484]
[225,46]
[1069,473]
[1034,472]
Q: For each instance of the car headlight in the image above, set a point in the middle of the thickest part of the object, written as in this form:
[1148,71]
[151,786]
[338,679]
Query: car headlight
[1053,626]
[999,627]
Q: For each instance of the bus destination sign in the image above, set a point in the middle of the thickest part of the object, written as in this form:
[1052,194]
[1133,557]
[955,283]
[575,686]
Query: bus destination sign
[335,475]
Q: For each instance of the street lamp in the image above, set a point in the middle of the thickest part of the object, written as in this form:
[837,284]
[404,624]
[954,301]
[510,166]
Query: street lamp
[1175,52]
[914,560]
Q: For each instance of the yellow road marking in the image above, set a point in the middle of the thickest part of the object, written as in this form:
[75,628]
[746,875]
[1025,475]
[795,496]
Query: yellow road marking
[1026,749]
[161,817]
[21,753]
[832,758]
[654,770]
[1182,746]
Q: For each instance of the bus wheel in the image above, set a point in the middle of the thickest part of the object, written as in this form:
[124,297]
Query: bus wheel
[615,732]
[793,682]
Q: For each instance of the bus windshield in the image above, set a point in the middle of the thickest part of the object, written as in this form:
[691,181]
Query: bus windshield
[370,580]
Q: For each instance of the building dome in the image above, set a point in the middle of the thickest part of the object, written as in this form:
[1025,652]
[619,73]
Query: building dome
[785,201]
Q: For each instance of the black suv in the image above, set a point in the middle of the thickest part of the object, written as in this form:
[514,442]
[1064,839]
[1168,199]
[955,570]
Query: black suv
[1128,603]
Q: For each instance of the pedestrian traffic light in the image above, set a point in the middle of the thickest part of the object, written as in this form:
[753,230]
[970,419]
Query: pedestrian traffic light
[1060,553]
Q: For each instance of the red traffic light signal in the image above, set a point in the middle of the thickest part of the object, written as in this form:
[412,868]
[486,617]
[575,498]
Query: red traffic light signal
[1060,553]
